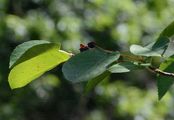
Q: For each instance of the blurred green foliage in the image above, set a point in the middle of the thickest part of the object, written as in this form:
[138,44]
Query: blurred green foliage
[113,24]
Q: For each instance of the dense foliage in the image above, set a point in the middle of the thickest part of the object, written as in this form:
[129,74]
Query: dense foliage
[32,59]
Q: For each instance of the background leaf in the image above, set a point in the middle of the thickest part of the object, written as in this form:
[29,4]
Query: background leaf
[165,82]
[46,58]
[22,48]
[88,65]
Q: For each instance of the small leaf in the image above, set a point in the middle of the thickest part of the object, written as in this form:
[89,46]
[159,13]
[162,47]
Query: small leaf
[88,65]
[165,82]
[45,58]
[92,83]
[153,49]
[22,48]
[123,67]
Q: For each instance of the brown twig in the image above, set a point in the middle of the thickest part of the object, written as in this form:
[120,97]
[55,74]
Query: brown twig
[158,71]
[132,57]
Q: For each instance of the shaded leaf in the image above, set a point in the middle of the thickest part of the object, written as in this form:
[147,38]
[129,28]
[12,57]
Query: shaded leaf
[92,83]
[22,48]
[45,58]
[165,82]
[88,65]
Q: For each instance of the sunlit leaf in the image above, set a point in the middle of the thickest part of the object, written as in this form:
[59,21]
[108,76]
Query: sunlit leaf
[22,48]
[38,60]
[88,65]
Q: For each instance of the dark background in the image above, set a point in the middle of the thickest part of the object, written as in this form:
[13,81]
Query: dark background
[114,25]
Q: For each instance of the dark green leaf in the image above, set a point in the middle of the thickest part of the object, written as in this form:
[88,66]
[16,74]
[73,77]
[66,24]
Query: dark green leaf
[88,65]
[168,31]
[165,82]
[160,44]
[92,83]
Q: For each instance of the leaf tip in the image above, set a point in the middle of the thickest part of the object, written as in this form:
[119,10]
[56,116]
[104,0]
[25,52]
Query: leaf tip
[160,96]
[12,87]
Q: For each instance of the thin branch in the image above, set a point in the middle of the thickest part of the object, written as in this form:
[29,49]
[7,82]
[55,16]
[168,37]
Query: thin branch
[158,71]
[132,57]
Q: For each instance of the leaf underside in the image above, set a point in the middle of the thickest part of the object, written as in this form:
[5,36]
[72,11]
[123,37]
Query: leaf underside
[153,49]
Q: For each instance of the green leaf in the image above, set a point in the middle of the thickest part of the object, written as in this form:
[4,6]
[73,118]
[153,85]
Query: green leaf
[92,83]
[22,48]
[165,82]
[123,67]
[170,49]
[88,65]
[154,49]
[142,51]
[168,31]
[160,44]
[36,61]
